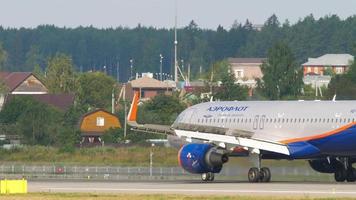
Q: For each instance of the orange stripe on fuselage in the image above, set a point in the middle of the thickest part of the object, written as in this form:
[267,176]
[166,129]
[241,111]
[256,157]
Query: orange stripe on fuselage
[323,135]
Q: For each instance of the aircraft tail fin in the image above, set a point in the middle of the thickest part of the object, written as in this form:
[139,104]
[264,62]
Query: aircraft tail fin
[132,116]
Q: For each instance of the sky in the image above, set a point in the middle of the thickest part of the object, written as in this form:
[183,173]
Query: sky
[208,14]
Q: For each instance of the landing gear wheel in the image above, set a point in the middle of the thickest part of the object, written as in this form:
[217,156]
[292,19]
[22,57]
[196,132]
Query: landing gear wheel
[253,175]
[340,175]
[351,175]
[265,175]
[207,176]
[211,176]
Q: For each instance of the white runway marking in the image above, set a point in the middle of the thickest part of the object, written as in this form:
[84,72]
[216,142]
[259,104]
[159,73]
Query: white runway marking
[196,191]
[197,188]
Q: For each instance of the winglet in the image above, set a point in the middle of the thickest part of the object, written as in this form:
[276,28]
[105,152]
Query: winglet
[133,110]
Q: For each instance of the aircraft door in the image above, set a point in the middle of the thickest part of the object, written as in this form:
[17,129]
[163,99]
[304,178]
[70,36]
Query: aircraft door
[190,115]
[262,121]
[255,122]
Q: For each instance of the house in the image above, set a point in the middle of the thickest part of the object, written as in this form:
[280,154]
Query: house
[94,124]
[148,87]
[337,63]
[26,83]
[246,70]
[60,101]
[20,83]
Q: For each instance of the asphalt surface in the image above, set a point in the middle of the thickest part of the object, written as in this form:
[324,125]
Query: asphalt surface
[315,189]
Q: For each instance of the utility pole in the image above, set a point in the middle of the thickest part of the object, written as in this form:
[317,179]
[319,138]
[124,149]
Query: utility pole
[125,125]
[160,68]
[117,71]
[131,66]
[113,100]
[188,79]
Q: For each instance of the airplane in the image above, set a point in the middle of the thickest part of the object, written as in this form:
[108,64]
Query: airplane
[321,132]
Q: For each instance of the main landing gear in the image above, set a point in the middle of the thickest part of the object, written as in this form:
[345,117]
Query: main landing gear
[345,172]
[207,176]
[258,174]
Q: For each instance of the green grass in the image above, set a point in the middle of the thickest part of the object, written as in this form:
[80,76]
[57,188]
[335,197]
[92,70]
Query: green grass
[123,156]
[108,156]
[77,196]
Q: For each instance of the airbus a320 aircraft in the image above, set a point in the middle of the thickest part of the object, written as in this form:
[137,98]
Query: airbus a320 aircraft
[322,132]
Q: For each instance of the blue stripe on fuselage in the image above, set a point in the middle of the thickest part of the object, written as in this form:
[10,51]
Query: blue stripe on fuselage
[338,144]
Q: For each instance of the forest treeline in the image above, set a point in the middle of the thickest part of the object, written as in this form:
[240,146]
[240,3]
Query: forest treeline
[92,48]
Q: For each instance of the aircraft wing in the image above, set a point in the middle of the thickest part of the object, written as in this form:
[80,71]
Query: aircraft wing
[250,143]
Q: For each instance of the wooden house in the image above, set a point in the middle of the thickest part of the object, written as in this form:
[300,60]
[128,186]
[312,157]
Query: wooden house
[94,124]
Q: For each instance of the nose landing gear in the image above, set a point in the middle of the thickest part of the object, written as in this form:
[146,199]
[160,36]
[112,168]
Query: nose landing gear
[207,176]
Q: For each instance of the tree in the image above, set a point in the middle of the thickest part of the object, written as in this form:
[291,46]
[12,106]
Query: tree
[95,89]
[60,77]
[343,85]
[162,109]
[38,123]
[282,77]
[3,57]
[229,90]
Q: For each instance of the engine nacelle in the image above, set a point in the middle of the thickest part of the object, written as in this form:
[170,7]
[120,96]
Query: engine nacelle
[202,158]
[324,165]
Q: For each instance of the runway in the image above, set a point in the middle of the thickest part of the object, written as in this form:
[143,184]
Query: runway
[198,188]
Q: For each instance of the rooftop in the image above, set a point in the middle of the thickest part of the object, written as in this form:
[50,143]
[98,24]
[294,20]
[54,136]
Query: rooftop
[147,82]
[60,101]
[14,79]
[330,60]
[246,60]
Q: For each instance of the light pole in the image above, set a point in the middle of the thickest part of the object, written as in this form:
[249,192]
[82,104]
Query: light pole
[151,158]
[160,68]
[131,66]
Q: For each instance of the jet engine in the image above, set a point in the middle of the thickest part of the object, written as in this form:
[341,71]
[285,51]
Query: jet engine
[202,158]
[324,165]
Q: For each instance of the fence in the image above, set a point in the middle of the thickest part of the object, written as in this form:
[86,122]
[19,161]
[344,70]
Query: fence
[146,173]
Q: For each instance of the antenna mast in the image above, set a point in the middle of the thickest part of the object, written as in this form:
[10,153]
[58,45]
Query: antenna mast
[175,46]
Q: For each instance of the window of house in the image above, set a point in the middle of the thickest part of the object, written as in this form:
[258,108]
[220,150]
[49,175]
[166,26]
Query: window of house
[100,121]
[239,73]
